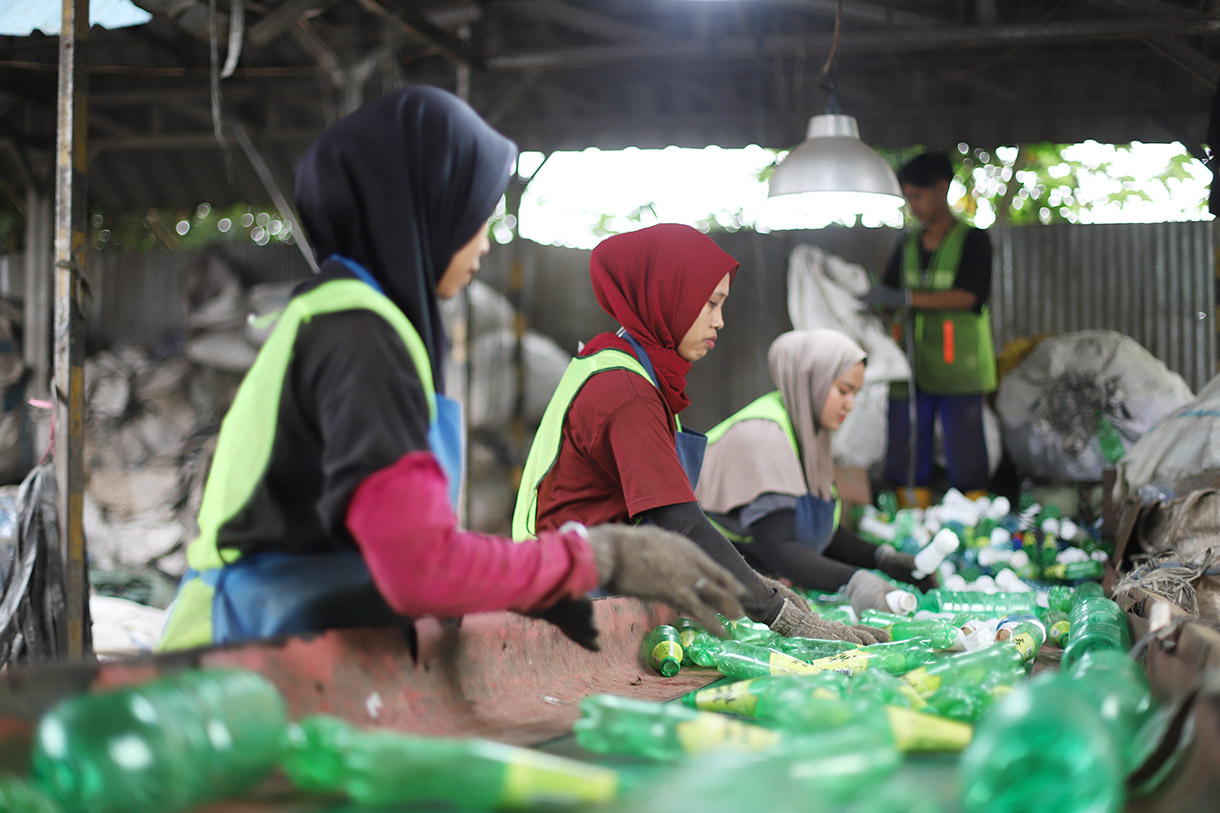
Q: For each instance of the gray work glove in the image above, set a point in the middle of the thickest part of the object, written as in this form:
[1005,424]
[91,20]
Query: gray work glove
[901,566]
[650,563]
[786,592]
[794,622]
[887,297]
[867,591]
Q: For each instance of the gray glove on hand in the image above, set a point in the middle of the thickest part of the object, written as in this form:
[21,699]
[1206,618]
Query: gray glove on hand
[793,622]
[786,592]
[866,591]
[650,563]
[887,296]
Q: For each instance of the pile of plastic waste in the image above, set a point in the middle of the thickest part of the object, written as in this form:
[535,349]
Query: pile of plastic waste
[834,720]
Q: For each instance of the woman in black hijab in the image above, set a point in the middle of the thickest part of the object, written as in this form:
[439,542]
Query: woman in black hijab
[329,501]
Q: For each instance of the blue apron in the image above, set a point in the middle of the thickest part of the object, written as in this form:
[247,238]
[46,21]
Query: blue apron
[815,522]
[691,445]
[267,594]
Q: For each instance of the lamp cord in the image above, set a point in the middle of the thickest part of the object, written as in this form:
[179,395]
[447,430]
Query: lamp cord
[834,41]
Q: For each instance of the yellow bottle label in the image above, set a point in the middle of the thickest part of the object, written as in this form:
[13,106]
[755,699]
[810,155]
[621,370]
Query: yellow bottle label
[733,698]
[847,663]
[533,779]
[1025,644]
[917,701]
[666,649]
[1059,631]
[686,636]
[715,732]
[921,681]
[916,731]
[782,664]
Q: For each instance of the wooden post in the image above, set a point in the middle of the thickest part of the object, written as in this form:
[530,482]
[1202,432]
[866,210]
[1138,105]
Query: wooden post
[69,324]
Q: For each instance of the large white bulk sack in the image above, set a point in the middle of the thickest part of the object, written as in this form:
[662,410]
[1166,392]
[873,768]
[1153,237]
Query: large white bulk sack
[1185,442]
[1048,404]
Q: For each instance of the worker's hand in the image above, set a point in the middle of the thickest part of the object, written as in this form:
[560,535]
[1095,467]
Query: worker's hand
[650,563]
[901,566]
[574,618]
[794,622]
[786,592]
[866,591]
[887,297]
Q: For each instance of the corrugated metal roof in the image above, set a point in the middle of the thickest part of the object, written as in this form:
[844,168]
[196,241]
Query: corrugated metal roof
[20,18]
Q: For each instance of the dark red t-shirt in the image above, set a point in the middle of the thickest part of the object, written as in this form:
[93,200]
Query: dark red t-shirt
[616,457]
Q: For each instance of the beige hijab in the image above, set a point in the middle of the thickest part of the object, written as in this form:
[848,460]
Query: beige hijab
[754,457]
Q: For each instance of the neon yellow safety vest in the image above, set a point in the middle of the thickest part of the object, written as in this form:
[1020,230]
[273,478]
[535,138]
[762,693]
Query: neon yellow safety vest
[769,407]
[953,348]
[545,448]
[243,450]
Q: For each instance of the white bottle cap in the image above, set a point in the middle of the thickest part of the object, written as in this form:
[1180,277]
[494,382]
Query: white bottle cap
[993,556]
[1050,525]
[1019,560]
[901,602]
[1000,536]
[1010,582]
[985,584]
[955,583]
[1068,530]
[1000,508]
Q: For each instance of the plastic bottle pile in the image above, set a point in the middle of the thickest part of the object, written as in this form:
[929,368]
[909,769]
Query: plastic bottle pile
[836,720]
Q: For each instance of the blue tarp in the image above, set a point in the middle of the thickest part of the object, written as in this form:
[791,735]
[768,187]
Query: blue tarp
[20,18]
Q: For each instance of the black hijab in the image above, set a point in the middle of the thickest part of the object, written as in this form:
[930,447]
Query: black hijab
[399,186]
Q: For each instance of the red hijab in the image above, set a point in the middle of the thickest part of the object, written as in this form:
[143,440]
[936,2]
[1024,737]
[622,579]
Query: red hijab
[655,282]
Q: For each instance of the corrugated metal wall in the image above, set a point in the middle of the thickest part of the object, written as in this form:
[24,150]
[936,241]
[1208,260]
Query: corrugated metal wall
[1156,282]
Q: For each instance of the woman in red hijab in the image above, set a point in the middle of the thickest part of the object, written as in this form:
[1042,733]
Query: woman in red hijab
[611,446]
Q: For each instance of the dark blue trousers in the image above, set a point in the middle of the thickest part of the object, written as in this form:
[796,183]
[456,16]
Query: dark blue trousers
[961,418]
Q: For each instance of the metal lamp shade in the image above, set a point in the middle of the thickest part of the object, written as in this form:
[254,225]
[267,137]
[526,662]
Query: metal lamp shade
[833,159]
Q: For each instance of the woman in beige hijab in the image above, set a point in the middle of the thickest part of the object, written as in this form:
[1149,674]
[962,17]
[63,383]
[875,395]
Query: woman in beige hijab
[768,477]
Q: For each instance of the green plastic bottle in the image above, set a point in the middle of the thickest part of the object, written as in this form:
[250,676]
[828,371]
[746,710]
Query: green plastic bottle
[964,702]
[983,605]
[663,731]
[1074,571]
[1065,742]
[1057,626]
[1096,623]
[896,658]
[843,614]
[165,745]
[1000,661]
[739,661]
[19,796]
[1025,632]
[1109,440]
[911,730]
[752,632]
[810,649]
[741,697]
[687,630]
[883,688]
[940,631]
[1059,598]
[662,650]
[325,754]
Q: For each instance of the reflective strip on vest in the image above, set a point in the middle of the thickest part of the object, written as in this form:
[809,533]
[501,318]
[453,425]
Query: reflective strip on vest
[545,449]
[243,451]
[953,348]
[769,407]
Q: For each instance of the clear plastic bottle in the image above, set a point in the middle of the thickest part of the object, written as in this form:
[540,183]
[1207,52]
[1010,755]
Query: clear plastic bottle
[663,731]
[1096,624]
[325,754]
[165,745]
[662,650]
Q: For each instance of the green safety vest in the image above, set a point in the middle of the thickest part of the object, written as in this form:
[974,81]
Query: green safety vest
[769,407]
[953,348]
[545,448]
[243,450]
